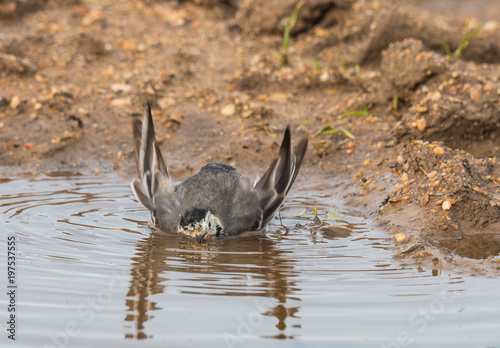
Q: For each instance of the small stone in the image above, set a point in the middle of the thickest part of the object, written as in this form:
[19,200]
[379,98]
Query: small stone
[325,76]
[395,199]
[411,248]
[228,110]
[476,92]
[404,177]
[83,111]
[424,200]
[121,102]
[491,26]
[175,117]
[91,17]
[446,205]
[246,113]
[166,102]
[421,124]
[15,101]
[434,96]
[279,97]
[400,159]
[351,145]
[141,47]
[37,106]
[29,145]
[422,109]
[97,171]
[121,87]
[366,162]
[254,60]
[438,150]
[399,237]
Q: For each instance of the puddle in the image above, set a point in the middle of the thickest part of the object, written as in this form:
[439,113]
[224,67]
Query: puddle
[91,272]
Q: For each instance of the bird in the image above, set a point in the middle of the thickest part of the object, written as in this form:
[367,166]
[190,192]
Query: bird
[217,201]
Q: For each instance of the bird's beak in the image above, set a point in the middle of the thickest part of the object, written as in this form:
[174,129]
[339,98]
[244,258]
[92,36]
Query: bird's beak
[200,236]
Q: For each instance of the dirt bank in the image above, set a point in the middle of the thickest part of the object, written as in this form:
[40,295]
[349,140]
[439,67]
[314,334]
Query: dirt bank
[424,160]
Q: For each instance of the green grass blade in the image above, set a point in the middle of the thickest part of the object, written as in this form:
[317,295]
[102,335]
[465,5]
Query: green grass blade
[304,124]
[317,66]
[339,129]
[286,37]
[328,129]
[446,47]
[295,13]
[359,76]
[395,101]
[466,40]
[286,33]
[363,112]
[322,130]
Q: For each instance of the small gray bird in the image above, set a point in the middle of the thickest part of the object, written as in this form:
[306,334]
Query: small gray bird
[218,200]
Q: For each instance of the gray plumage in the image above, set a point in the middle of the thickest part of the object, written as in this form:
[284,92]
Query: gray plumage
[218,200]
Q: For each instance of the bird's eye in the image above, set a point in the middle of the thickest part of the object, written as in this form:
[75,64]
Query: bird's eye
[209,225]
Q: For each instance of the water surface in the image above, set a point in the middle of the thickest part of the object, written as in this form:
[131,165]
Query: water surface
[92,272]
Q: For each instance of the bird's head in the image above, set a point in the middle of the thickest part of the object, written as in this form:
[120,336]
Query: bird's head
[200,224]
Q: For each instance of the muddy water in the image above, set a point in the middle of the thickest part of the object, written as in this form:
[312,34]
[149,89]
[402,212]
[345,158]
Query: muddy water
[91,272]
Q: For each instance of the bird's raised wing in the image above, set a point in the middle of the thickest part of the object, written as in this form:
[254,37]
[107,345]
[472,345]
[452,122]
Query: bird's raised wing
[153,188]
[276,182]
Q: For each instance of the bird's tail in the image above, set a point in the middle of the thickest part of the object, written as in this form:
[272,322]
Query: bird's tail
[279,177]
[153,172]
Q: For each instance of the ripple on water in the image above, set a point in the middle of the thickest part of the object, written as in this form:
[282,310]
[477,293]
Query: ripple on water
[86,256]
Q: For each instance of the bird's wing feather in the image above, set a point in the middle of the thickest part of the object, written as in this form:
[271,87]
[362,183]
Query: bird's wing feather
[153,185]
[279,177]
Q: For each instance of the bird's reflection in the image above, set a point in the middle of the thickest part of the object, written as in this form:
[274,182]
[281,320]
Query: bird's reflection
[253,258]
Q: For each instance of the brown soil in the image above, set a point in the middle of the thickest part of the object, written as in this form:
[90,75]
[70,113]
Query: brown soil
[424,161]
